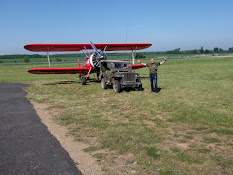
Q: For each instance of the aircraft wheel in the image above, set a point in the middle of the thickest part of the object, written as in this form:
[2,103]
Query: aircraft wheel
[84,81]
[103,84]
[116,86]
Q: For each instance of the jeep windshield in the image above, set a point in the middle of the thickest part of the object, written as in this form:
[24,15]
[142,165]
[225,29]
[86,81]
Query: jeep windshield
[117,65]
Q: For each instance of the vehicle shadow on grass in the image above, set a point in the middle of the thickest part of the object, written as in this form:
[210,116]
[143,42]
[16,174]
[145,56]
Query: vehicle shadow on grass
[130,89]
[144,77]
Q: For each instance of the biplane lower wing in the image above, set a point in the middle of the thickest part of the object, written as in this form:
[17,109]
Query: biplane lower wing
[80,71]
[138,66]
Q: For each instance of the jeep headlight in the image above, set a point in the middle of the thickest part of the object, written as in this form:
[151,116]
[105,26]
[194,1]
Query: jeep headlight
[123,75]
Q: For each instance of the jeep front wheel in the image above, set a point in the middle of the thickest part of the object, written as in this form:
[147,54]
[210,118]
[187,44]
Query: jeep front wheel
[103,84]
[139,88]
[117,86]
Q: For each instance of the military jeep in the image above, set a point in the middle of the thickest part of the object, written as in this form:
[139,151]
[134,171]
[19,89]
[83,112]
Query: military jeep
[118,75]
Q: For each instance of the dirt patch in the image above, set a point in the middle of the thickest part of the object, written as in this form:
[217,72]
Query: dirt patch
[84,162]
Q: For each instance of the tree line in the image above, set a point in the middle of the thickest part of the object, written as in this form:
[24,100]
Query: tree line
[200,51]
[175,51]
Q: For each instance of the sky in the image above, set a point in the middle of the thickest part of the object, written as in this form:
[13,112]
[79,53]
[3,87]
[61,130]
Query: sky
[167,24]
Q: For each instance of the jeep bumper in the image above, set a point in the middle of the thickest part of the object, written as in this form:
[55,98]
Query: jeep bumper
[131,84]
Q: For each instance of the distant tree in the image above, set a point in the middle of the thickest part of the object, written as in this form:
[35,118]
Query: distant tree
[58,59]
[230,49]
[139,55]
[195,51]
[216,50]
[207,51]
[220,50]
[202,50]
[175,51]
[26,59]
[35,56]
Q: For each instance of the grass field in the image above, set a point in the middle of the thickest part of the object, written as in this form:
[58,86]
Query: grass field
[186,128]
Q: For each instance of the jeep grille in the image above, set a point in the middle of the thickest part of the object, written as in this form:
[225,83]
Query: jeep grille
[129,77]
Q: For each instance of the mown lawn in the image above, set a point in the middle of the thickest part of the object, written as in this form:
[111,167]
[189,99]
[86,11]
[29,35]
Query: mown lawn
[186,128]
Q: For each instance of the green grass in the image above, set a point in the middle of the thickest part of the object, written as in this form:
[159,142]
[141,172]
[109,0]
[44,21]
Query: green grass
[184,129]
[211,140]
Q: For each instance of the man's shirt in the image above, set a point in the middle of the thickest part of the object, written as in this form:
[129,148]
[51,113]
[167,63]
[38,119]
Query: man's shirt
[153,67]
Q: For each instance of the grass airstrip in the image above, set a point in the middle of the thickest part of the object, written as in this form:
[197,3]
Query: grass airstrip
[186,128]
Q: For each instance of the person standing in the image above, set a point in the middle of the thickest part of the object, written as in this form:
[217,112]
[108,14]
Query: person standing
[153,67]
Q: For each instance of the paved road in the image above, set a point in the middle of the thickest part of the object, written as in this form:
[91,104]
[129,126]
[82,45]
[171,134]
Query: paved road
[26,146]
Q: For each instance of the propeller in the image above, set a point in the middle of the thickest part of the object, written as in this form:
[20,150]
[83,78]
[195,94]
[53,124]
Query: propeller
[98,55]
[93,46]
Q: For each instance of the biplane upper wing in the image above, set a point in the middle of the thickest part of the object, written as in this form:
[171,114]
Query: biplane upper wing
[79,47]
[126,46]
[80,71]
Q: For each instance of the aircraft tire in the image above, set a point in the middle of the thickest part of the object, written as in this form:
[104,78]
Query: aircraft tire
[116,86]
[103,83]
[84,81]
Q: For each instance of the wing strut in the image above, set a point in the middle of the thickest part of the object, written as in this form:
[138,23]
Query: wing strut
[89,71]
[134,55]
[48,57]
[85,54]
[105,48]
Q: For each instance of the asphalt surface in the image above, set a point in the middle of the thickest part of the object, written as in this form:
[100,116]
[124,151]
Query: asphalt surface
[26,145]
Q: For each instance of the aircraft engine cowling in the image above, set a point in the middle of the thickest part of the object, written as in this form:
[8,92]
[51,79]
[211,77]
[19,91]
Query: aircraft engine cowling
[93,60]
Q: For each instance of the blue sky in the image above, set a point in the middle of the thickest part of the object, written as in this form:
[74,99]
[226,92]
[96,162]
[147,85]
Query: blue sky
[167,24]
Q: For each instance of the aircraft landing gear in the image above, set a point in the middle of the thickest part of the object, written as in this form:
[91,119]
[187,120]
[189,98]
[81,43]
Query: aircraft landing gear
[84,80]
[98,77]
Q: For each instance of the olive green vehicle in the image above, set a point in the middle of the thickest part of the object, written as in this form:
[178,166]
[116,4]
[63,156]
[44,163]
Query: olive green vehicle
[118,75]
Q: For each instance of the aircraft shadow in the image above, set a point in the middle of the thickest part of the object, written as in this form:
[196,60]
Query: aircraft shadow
[62,82]
[73,82]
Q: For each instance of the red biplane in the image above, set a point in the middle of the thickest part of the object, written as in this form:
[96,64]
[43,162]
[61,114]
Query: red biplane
[91,64]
